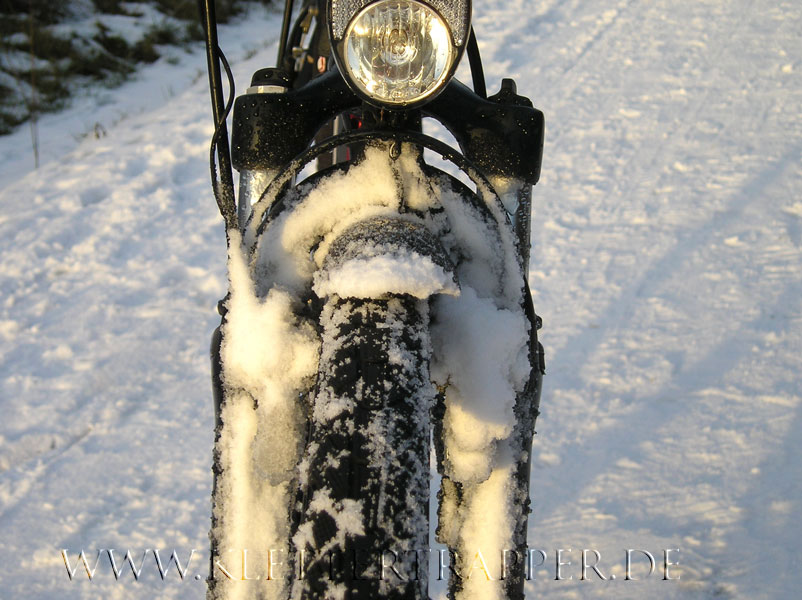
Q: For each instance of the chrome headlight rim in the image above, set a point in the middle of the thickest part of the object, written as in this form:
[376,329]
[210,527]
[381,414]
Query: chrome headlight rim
[456,46]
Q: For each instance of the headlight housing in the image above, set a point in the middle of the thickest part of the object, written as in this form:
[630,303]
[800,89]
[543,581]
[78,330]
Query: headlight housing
[399,53]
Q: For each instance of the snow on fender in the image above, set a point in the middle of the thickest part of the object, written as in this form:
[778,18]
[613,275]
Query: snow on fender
[386,256]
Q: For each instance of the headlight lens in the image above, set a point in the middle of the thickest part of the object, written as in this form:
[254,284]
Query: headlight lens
[398,51]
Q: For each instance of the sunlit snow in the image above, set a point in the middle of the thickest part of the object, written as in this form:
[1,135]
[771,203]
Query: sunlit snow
[666,261]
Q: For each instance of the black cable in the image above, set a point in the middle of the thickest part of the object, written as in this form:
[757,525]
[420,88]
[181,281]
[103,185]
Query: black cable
[225,198]
[223,183]
[475,60]
[285,32]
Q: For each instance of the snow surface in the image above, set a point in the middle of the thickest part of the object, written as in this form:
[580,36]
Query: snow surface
[666,264]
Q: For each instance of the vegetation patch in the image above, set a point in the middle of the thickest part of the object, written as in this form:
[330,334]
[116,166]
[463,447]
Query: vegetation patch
[48,49]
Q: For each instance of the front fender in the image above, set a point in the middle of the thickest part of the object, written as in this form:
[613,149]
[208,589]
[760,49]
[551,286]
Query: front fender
[385,256]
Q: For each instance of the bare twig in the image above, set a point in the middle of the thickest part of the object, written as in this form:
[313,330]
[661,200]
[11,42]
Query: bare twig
[34,102]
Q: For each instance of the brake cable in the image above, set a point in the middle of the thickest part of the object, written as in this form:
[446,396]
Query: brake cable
[475,60]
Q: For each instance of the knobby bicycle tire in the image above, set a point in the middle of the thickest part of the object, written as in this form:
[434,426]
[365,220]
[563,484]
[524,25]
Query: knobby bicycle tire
[363,503]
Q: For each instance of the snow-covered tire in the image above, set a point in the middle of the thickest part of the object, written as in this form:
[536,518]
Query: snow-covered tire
[364,479]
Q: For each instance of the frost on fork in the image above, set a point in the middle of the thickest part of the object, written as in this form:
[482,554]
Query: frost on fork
[323,451]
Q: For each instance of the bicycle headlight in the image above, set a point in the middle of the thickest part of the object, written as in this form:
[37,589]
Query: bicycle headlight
[398,53]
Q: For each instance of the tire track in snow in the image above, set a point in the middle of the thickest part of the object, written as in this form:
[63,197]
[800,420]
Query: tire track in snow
[647,284]
[605,25]
[593,430]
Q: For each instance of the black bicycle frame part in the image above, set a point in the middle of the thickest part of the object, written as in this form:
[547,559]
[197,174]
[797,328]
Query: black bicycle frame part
[501,135]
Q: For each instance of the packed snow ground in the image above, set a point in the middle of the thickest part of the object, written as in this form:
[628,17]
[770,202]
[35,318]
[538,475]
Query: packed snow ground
[666,265]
